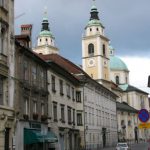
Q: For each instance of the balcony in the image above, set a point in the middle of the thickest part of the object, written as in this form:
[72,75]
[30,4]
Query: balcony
[3,65]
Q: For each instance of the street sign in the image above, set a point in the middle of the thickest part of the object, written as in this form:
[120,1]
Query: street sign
[144,126]
[143,115]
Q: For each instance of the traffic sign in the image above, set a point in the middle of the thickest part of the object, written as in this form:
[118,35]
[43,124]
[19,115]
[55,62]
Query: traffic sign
[143,115]
[144,126]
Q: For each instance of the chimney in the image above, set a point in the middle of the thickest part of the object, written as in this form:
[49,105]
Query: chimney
[26,29]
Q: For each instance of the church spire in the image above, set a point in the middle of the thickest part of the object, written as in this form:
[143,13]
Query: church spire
[45,23]
[94,12]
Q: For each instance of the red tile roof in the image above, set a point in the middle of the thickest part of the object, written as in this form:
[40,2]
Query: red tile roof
[63,62]
[26,25]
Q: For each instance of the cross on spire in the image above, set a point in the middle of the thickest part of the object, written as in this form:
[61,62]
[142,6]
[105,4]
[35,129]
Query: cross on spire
[45,11]
[94,2]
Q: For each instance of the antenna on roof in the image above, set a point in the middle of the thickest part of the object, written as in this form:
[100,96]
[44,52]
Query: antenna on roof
[20,15]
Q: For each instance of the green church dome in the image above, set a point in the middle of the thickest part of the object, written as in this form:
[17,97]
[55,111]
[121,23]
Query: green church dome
[46,33]
[117,64]
[94,22]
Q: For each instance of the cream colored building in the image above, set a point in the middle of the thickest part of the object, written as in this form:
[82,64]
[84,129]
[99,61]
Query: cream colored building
[130,97]
[87,103]
[63,115]
[6,73]
[100,63]
[95,49]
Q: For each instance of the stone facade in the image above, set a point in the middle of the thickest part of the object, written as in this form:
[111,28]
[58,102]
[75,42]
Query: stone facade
[31,96]
[6,73]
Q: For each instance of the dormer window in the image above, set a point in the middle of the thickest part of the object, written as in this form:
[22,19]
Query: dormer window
[91,49]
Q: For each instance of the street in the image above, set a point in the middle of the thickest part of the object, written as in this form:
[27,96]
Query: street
[139,146]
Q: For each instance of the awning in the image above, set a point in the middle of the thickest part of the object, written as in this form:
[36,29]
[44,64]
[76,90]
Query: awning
[32,136]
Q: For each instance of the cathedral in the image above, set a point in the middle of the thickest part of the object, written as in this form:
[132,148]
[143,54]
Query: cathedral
[101,63]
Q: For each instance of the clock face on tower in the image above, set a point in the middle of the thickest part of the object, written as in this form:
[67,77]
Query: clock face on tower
[91,62]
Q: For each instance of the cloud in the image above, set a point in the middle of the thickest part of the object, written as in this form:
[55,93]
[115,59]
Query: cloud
[139,71]
[126,25]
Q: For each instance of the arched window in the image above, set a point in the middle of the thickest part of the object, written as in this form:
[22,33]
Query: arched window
[117,79]
[104,50]
[91,49]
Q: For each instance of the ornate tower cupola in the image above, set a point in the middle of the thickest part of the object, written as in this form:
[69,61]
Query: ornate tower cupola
[46,40]
[95,48]
[94,13]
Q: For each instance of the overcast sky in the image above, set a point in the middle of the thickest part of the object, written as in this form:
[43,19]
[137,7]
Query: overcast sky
[126,22]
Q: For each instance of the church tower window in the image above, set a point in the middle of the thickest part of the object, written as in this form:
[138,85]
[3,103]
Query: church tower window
[117,79]
[90,49]
[104,50]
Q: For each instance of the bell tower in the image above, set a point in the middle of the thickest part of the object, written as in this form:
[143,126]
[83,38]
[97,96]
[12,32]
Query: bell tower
[46,40]
[95,49]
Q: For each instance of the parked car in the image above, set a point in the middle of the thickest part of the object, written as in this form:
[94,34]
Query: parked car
[122,146]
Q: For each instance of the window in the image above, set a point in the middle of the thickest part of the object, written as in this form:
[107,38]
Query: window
[78,96]
[97,29]
[35,107]
[122,123]
[68,90]
[104,50]
[1,90]
[55,111]
[53,83]
[73,116]
[142,101]
[34,74]
[3,3]
[40,40]
[117,79]
[129,122]
[90,49]
[69,115]
[26,106]
[126,79]
[42,109]
[73,94]
[25,70]
[61,87]
[90,29]
[79,119]
[42,78]
[2,40]
[62,113]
